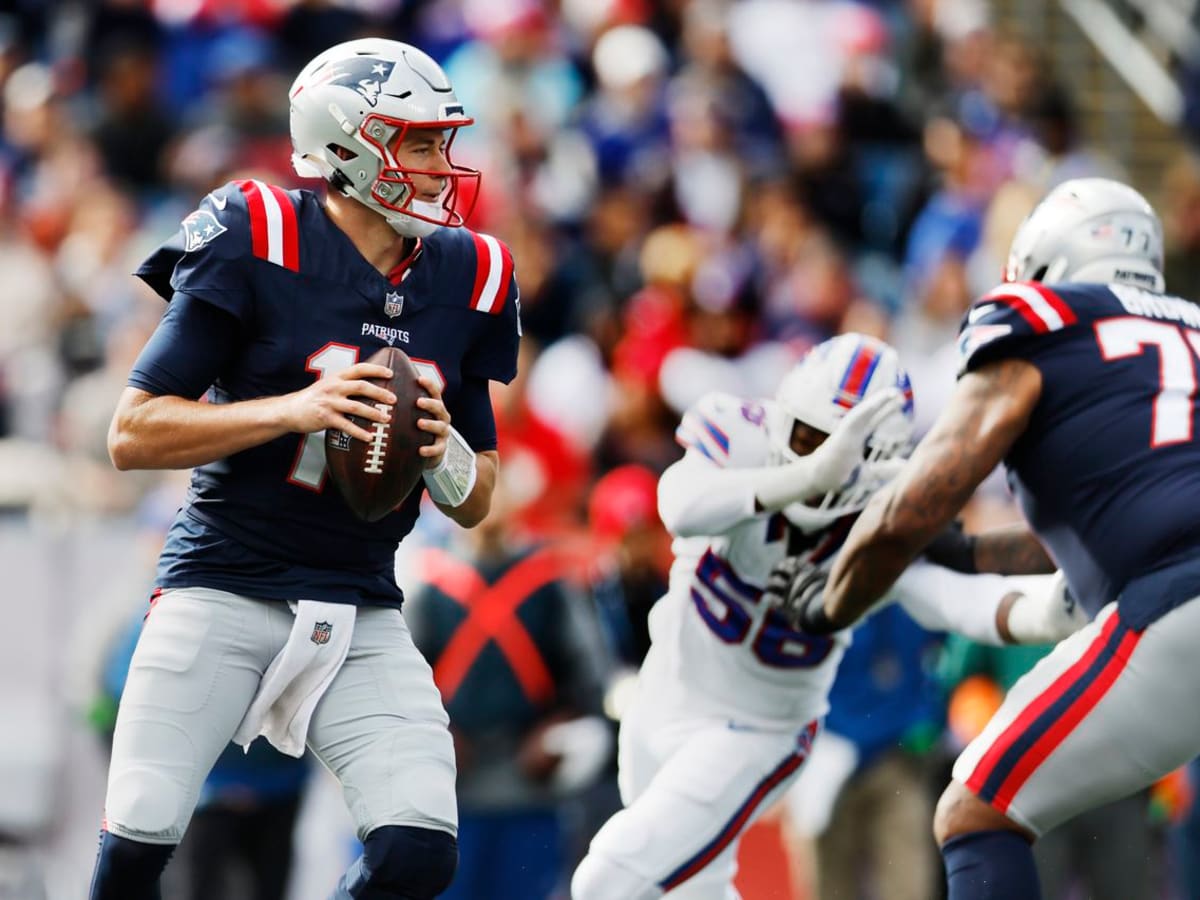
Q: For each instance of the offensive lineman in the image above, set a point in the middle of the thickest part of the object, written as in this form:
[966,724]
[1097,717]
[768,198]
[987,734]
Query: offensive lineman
[272,595]
[1080,373]
[730,695]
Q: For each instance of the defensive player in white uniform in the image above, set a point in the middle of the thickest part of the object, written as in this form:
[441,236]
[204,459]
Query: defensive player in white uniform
[730,696]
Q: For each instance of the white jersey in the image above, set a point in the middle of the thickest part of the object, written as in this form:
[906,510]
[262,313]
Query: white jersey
[717,649]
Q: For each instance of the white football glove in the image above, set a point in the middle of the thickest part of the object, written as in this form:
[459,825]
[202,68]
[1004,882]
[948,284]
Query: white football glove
[1045,612]
[830,466]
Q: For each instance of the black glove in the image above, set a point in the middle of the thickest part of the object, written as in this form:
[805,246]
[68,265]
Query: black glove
[954,549]
[797,590]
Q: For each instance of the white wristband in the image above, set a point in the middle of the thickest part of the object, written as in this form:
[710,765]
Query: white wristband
[450,482]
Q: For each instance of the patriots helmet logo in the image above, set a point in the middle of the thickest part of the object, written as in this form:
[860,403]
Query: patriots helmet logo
[366,75]
[199,228]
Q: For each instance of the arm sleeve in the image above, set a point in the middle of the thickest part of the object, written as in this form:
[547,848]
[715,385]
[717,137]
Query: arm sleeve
[207,256]
[1023,320]
[941,600]
[190,348]
[472,414]
[697,498]
[494,354]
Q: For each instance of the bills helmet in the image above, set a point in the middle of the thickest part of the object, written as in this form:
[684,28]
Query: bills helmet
[831,379]
[1090,230]
[351,108]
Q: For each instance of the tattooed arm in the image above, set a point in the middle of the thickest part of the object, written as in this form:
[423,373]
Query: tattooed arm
[986,414]
[1011,550]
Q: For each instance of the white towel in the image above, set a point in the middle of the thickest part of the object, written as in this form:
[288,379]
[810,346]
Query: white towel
[298,676]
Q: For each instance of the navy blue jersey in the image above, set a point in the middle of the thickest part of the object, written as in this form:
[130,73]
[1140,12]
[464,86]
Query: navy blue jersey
[1107,471]
[303,303]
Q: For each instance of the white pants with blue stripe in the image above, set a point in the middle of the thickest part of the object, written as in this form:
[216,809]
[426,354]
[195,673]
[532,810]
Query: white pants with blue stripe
[1108,712]
[380,727]
[691,787]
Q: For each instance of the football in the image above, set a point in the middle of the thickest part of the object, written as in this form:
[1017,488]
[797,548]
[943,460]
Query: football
[374,478]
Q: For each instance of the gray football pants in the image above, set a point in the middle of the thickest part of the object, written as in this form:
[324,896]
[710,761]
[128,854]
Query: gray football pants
[380,728]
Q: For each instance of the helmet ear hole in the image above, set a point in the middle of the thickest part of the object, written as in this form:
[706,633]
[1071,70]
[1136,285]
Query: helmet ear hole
[1040,274]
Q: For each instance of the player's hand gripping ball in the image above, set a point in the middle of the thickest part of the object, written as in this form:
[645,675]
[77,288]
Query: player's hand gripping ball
[374,478]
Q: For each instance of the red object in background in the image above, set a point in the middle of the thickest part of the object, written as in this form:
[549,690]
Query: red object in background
[653,326]
[625,498]
[763,868]
[559,472]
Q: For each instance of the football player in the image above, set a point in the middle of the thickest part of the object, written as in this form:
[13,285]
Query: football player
[271,594]
[730,695]
[1080,374]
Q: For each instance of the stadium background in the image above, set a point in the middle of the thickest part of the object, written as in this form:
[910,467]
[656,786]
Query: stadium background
[695,191]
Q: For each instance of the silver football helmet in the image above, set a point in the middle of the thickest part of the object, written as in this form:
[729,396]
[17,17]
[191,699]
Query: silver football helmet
[831,379]
[351,108]
[1090,230]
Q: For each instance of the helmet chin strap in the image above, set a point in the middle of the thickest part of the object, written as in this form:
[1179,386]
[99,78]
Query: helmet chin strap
[405,225]
[410,226]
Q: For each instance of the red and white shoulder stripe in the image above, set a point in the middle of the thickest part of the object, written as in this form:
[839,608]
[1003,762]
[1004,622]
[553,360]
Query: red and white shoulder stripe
[1039,306]
[274,227]
[493,272]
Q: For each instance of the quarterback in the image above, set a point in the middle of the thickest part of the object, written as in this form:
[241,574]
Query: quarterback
[731,693]
[272,595]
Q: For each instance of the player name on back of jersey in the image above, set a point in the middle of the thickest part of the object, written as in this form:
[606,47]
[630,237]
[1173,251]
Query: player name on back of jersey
[1140,302]
[385,333]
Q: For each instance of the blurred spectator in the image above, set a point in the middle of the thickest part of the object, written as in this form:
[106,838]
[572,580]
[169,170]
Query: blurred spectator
[548,471]
[708,61]
[624,119]
[1181,221]
[629,571]
[864,798]
[241,128]
[515,652]
[132,130]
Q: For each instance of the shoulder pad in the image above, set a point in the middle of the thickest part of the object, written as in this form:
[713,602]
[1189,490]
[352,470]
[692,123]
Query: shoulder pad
[489,263]
[1008,316]
[272,220]
[725,429]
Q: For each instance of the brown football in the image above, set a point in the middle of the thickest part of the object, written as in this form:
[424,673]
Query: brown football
[375,478]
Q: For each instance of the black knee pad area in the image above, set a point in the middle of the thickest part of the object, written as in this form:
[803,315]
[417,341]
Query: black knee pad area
[409,863]
[128,870]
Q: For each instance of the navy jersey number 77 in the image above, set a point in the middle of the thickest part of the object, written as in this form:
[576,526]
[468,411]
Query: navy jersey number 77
[267,294]
[1107,471]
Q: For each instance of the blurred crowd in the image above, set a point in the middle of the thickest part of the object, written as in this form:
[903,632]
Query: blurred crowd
[695,192]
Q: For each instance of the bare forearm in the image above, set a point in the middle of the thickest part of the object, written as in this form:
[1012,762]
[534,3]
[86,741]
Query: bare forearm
[175,433]
[1011,550]
[986,414]
[478,504]
[898,522]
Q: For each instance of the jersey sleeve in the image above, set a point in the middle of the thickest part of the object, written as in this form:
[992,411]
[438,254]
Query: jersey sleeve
[1018,320]
[208,257]
[494,294]
[726,430]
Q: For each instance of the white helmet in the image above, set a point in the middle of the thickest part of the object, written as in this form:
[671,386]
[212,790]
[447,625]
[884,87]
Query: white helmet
[1090,229]
[831,379]
[351,107]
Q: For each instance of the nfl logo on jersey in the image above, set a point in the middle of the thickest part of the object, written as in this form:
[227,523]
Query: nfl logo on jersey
[393,304]
[321,633]
[199,228]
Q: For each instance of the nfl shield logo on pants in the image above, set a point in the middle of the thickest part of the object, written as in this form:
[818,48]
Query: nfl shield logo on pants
[321,633]
[393,304]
